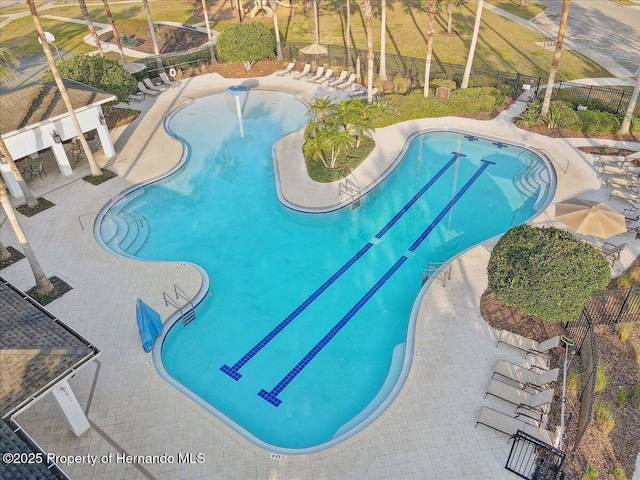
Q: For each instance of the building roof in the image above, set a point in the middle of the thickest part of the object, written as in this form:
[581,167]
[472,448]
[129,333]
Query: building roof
[42,102]
[36,349]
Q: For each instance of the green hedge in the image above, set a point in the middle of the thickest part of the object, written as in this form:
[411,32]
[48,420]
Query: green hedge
[546,272]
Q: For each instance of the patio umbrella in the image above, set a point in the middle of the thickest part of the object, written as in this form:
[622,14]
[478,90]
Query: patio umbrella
[149,324]
[314,49]
[590,218]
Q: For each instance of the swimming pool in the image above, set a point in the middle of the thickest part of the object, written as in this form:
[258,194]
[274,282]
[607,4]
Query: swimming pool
[306,335]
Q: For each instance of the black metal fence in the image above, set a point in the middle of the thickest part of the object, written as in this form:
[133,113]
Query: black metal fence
[533,459]
[595,97]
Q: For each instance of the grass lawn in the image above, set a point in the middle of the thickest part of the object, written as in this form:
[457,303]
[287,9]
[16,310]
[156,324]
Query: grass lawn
[502,45]
[530,10]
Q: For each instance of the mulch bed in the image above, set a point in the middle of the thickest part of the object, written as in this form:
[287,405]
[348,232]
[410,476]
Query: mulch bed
[169,38]
[15,256]
[100,179]
[42,205]
[60,287]
[563,133]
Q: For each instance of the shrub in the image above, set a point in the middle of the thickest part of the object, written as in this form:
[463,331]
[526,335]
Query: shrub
[601,379]
[589,473]
[623,394]
[443,82]
[99,72]
[246,43]
[624,331]
[636,352]
[573,381]
[561,114]
[546,272]
[618,473]
[530,116]
[594,121]
[635,125]
[603,415]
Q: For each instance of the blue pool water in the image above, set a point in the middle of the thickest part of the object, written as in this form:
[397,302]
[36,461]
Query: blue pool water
[307,332]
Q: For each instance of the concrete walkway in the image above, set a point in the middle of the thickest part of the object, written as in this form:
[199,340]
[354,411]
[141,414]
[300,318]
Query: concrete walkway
[428,431]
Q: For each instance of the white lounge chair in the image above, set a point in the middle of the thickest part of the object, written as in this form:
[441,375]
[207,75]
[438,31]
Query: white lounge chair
[510,425]
[339,80]
[362,91]
[326,77]
[612,252]
[531,401]
[143,88]
[159,87]
[318,74]
[138,97]
[526,344]
[287,70]
[167,81]
[303,73]
[621,181]
[524,376]
[630,196]
[349,82]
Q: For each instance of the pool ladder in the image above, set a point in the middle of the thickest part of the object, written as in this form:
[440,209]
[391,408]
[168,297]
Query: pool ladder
[187,316]
[434,269]
[351,188]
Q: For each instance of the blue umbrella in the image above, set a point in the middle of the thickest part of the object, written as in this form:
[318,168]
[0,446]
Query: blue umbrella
[149,324]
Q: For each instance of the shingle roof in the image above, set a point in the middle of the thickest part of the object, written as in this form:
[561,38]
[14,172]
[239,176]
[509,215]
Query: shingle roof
[38,103]
[37,469]
[36,349]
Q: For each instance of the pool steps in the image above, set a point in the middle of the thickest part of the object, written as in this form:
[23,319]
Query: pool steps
[126,234]
[533,180]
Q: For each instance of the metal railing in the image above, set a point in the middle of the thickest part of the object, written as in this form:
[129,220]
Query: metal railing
[533,459]
[436,269]
[186,316]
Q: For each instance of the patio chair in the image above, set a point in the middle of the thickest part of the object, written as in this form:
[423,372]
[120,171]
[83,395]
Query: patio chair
[318,74]
[326,77]
[143,88]
[524,376]
[346,84]
[303,73]
[612,252]
[339,79]
[537,402]
[287,70]
[167,81]
[510,425]
[526,344]
[38,170]
[159,87]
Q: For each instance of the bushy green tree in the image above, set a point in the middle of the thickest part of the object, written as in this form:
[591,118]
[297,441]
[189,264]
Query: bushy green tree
[546,272]
[246,43]
[99,72]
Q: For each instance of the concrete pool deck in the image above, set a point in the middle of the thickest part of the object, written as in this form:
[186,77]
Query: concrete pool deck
[428,432]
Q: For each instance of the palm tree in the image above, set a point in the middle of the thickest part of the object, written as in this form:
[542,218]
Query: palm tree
[274,6]
[313,148]
[43,284]
[368,22]
[348,32]
[114,29]
[212,49]
[95,170]
[8,59]
[92,29]
[320,108]
[431,11]
[556,58]
[472,48]
[152,31]
[383,41]
[315,19]
[5,254]
[337,140]
[450,5]
[626,122]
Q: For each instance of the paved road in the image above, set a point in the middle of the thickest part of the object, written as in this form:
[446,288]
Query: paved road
[605,27]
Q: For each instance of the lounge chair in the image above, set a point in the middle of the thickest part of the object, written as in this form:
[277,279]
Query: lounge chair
[612,252]
[524,376]
[138,97]
[287,70]
[303,73]
[621,181]
[526,344]
[349,82]
[625,194]
[610,160]
[362,91]
[326,77]
[339,79]
[537,402]
[159,87]
[167,81]
[620,169]
[318,74]
[143,88]
[510,425]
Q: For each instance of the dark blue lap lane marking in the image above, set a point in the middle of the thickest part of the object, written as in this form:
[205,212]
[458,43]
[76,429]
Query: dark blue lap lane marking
[272,396]
[234,370]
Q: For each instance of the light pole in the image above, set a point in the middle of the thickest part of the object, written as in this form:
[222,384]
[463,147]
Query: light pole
[567,344]
[50,39]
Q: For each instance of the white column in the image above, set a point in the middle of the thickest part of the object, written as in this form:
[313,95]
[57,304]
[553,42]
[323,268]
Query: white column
[73,413]
[11,182]
[61,158]
[105,140]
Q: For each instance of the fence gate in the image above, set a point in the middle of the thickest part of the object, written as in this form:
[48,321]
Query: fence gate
[533,459]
